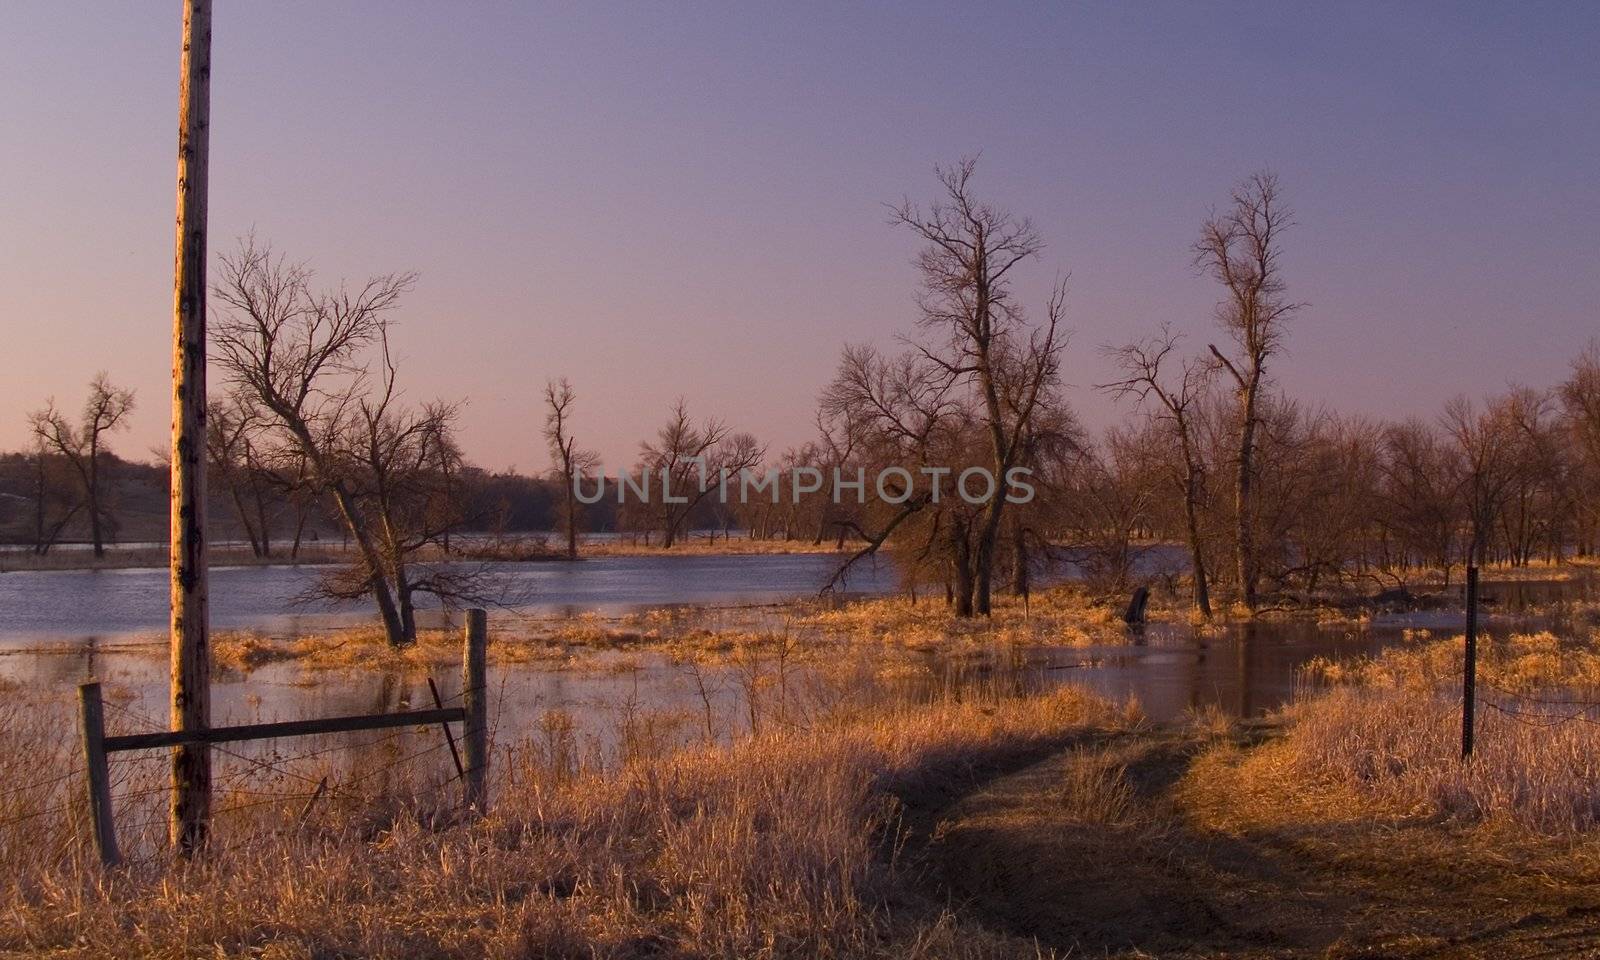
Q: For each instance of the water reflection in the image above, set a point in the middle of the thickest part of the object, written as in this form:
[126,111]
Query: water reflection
[1170,668]
[38,607]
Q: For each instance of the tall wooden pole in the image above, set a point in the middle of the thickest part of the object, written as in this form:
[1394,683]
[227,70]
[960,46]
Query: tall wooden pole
[191,645]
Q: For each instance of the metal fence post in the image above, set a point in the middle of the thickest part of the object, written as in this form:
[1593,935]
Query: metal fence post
[475,701]
[1469,673]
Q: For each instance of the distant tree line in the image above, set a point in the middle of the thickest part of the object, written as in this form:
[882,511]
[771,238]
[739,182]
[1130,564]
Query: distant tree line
[1269,501]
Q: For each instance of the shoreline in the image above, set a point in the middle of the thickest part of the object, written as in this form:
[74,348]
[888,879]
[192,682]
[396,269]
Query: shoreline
[155,558]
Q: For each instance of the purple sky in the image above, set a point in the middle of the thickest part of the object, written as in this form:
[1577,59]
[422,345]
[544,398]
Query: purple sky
[672,199]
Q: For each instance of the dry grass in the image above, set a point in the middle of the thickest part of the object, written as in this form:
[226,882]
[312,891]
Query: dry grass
[1566,569]
[1526,663]
[1064,615]
[699,545]
[895,629]
[1389,732]
[1095,789]
[779,845]
[363,647]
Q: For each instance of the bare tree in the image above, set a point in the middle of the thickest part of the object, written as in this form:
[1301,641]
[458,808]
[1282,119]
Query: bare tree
[1175,401]
[232,425]
[54,507]
[1418,483]
[983,339]
[1483,440]
[1106,507]
[685,461]
[902,415]
[1239,248]
[105,411]
[1535,517]
[570,463]
[1580,404]
[1054,448]
[835,450]
[319,367]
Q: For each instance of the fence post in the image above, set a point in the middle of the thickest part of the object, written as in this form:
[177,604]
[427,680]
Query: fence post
[98,777]
[1469,673]
[475,701]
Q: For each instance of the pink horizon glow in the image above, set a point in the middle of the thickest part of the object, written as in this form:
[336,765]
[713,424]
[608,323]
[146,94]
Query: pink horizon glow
[688,201]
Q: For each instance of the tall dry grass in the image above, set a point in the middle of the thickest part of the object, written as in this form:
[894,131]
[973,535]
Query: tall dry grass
[893,629]
[1061,615]
[1390,730]
[780,844]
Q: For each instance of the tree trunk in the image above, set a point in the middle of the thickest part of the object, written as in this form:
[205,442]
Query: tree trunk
[393,626]
[1244,544]
[244,520]
[572,518]
[92,492]
[299,532]
[988,540]
[1019,559]
[408,613]
[263,523]
[964,585]
[39,545]
[1197,559]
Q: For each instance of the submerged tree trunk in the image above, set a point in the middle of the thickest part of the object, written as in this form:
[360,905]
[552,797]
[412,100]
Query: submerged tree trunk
[572,518]
[1197,557]
[408,611]
[1244,537]
[355,524]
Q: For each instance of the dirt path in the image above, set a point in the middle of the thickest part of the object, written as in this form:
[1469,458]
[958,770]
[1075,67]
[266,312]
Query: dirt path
[1099,851]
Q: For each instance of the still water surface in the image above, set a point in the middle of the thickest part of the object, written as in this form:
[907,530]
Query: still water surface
[110,605]
[59,629]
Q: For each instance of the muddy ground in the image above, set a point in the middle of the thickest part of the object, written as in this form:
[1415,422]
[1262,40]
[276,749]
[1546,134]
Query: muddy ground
[1149,844]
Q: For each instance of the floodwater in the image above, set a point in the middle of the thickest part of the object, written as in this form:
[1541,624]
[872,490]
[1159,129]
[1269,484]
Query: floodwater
[1249,669]
[98,606]
[60,629]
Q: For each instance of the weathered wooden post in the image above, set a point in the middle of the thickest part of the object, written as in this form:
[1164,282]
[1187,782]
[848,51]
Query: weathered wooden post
[1469,673]
[191,650]
[475,701]
[98,777]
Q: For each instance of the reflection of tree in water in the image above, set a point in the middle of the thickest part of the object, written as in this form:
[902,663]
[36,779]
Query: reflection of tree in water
[1245,675]
[378,761]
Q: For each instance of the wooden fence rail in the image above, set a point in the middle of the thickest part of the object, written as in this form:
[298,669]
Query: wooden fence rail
[288,728]
[473,715]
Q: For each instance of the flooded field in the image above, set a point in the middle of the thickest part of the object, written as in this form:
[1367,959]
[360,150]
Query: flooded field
[60,629]
[79,606]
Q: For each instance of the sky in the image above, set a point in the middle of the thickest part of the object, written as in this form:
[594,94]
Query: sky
[664,200]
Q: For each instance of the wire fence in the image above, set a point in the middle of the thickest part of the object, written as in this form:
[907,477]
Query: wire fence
[1538,710]
[259,791]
